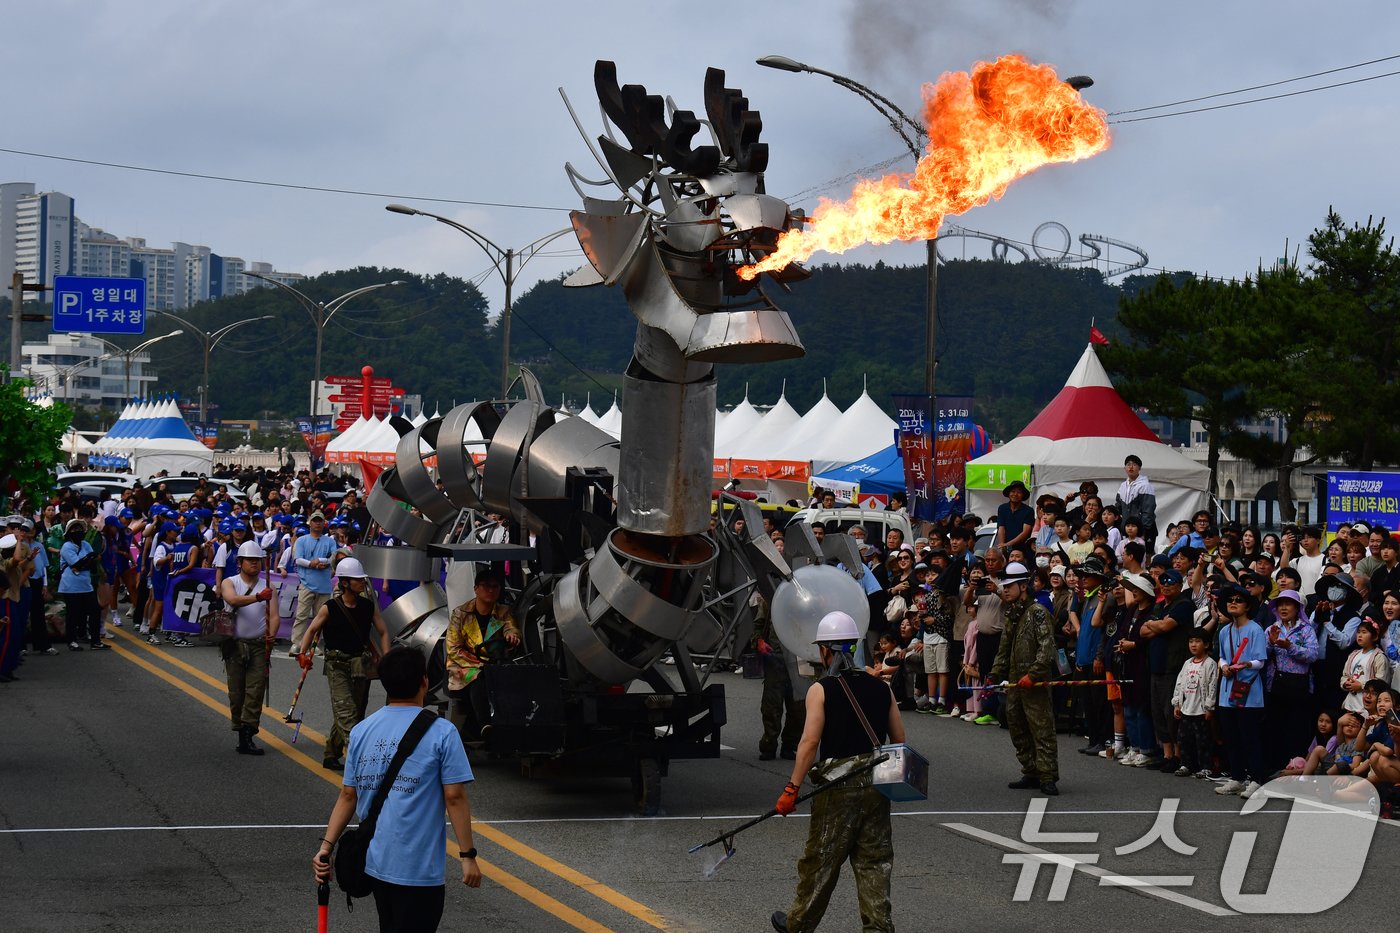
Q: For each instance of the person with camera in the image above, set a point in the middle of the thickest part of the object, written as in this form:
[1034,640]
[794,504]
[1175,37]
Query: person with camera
[76,560]
[1302,550]
[984,607]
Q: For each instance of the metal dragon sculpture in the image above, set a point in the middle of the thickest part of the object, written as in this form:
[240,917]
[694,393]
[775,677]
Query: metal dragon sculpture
[628,571]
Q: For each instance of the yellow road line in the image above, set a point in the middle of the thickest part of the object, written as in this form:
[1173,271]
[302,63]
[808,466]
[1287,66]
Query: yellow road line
[505,879]
[592,886]
[276,716]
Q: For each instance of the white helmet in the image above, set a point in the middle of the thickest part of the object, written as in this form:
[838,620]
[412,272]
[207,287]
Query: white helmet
[836,626]
[1015,572]
[251,549]
[350,569]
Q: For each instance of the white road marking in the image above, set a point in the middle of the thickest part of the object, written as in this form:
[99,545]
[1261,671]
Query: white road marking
[1108,878]
[705,818]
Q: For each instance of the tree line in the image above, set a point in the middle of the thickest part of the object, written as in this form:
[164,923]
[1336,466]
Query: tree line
[1312,344]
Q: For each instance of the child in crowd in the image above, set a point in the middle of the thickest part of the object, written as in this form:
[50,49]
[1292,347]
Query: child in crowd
[1193,705]
[1344,755]
[1324,744]
[1132,533]
[1365,663]
[1083,544]
[1113,532]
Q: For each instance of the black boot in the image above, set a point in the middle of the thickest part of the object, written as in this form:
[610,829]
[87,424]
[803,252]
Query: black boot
[779,921]
[245,743]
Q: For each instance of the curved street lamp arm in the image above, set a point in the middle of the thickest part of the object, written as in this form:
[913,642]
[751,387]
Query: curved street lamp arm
[529,252]
[493,252]
[147,344]
[223,332]
[335,304]
[898,121]
[310,306]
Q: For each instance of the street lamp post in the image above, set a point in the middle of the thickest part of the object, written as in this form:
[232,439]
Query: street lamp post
[508,264]
[127,355]
[321,313]
[66,372]
[915,137]
[209,340]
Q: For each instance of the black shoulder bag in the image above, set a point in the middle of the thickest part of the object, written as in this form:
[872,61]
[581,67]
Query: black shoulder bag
[353,845]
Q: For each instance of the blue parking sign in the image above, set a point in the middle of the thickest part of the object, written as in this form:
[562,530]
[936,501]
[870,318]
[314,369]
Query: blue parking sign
[99,305]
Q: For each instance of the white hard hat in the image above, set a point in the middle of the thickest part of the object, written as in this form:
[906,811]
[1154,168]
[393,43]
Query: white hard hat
[349,568]
[251,549]
[1015,572]
[836,626]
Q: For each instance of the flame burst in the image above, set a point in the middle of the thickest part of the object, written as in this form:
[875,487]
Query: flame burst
[986,129]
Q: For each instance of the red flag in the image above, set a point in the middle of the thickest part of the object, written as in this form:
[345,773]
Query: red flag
[370,472]
[1097,338]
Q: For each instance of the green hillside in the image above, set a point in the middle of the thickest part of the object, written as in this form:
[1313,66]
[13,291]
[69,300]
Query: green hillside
[1008,334]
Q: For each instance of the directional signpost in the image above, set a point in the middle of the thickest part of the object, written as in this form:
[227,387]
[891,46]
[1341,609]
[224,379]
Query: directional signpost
[94,305]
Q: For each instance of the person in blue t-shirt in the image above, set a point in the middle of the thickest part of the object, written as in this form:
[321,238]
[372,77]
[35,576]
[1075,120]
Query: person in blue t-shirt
[407,855]
[1015,519]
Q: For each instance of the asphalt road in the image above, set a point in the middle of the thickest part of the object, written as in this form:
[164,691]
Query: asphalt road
[123,807]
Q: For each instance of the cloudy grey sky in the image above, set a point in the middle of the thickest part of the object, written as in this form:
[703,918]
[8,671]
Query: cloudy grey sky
[458,100]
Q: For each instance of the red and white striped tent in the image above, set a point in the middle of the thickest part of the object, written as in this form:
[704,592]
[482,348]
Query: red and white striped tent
[1084,434]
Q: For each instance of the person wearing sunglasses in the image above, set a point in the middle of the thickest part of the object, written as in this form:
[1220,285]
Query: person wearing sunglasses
[1242,649]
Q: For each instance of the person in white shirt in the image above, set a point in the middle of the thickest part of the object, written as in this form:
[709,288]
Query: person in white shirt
[1308,563]
[1136,499]
[1193,705]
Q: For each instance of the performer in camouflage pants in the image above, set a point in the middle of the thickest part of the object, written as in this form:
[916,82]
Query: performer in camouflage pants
[1025,657]
[849,715]
[783,711]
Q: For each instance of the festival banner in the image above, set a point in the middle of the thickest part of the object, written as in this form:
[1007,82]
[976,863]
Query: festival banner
[916,453]
[798,471]
[208,433]
[316,440]
[934,465]
[1360,496]
[191,594]
[952,450]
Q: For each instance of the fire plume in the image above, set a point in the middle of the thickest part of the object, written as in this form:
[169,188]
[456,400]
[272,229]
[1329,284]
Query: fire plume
[986,129]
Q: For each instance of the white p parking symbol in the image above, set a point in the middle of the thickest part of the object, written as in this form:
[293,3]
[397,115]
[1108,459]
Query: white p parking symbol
[70,303]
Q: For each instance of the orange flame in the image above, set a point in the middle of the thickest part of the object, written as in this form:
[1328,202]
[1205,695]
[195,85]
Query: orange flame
[986,129]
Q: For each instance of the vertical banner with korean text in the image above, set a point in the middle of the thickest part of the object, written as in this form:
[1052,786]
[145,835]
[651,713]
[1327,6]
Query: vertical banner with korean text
[952,450]
[916,453]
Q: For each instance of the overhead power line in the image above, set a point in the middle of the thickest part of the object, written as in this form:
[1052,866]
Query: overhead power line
[1256,100]
[279,184]
[1256,87]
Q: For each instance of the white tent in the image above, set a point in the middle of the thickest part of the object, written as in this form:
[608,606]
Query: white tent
[344,442]
[805,437]
[769,434]
[1084,434]
[166,443]
[736,427]
[611,420]
[862,430]
[588,414]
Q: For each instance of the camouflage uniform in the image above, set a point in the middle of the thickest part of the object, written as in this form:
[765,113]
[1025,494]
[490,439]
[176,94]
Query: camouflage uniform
[245,663]
[349,688]
[1028,648]
[852,818]
[779,698]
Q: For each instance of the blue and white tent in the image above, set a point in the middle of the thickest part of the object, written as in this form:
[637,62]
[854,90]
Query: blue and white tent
[150,436]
